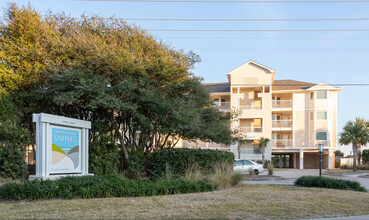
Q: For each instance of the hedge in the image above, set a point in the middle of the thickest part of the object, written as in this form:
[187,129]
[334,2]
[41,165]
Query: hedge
[325,182]
[180,159]
[97,187]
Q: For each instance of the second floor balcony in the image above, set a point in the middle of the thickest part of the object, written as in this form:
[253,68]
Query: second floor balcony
[281,143]
[256,105]
[223,106]
[251,130]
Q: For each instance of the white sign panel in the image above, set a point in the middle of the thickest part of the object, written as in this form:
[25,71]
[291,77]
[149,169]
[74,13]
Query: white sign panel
[61,146]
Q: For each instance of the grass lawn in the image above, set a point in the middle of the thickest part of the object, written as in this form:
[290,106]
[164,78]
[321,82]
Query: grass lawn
[249,201]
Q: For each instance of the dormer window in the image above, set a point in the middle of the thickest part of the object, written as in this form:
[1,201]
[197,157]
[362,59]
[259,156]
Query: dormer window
[321,95]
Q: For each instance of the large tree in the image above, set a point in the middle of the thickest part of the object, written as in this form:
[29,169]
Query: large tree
[357,134]
[136,90]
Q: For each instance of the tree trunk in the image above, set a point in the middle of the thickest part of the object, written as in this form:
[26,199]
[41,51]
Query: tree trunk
[354,149]
[239,150]
[262,155]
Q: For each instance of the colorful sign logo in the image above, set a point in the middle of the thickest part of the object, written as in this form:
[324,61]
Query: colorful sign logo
[65,151]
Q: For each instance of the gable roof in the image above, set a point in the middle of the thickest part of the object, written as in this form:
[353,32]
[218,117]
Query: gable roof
[217,87]
[252,62]
[291,85]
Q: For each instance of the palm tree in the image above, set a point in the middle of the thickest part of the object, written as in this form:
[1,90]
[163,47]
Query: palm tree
[263,143]
[355,133]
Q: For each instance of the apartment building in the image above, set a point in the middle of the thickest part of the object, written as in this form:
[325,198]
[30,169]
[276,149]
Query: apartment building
[297,116]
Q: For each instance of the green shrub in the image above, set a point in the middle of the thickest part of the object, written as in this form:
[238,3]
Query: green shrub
[103,156]
[12,161]
[270,168]
[97,187]
[325,182]
[363,167]
[365,156]
[136,164]
[179,160]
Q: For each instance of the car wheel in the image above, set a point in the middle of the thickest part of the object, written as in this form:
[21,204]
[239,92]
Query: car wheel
[256,172]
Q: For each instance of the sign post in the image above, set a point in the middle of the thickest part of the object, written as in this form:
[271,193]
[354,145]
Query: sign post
[61,146]
[321,159]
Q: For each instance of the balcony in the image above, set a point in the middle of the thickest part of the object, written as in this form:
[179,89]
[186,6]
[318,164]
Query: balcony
[251,129]
[325,143]
[281,143]
[223,106]
[282,104]
[204,145]
[253,106]
[282,125]
[250,153]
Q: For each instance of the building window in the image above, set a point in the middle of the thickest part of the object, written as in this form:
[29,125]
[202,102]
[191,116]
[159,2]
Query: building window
[321,136]
[216,102]
[222,102]
[321,115]
[321,95]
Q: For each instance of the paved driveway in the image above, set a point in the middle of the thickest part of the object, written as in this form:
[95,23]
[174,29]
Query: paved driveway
[290,175]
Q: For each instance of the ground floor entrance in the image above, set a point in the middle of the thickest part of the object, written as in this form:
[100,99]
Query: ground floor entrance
[303,159]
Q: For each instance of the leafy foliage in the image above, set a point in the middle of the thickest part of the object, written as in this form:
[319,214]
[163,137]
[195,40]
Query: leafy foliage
[12,163]
[179,160]
[103,156]
[136,164]
[338,153]
[357,134]
[365,156]
[134,89]
[325,182]
[97,187]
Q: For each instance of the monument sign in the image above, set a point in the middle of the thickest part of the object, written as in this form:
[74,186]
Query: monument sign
[61,146]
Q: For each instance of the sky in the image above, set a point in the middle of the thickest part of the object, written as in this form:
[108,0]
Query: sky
[340,59]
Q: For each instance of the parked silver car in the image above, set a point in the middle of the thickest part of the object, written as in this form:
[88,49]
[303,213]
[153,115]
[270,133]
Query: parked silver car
[243,166]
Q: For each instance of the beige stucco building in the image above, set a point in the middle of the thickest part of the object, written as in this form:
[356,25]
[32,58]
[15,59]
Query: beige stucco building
[296,116]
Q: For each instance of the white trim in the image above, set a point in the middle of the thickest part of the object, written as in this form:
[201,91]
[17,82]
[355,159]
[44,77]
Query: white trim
[253,62]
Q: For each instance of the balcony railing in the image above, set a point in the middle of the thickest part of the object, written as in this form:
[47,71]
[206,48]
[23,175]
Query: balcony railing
[223,106]
[325,143]
[203,145]
[282,124]
[252,106]
[281,143]
[282,104]
[251,129]
[251,153]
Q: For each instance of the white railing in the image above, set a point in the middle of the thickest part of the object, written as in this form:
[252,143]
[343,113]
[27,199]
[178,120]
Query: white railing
[282,124]
[223,106]
[282,143]
[251,154]
[203,145]
[251,129]
[325,143]
[282,104]
[252,106]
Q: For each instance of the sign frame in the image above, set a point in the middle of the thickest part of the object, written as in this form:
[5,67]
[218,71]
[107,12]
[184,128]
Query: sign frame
[44,124]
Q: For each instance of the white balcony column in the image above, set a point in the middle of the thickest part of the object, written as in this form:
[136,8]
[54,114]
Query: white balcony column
[301,159]
[207,145]
[330,159]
